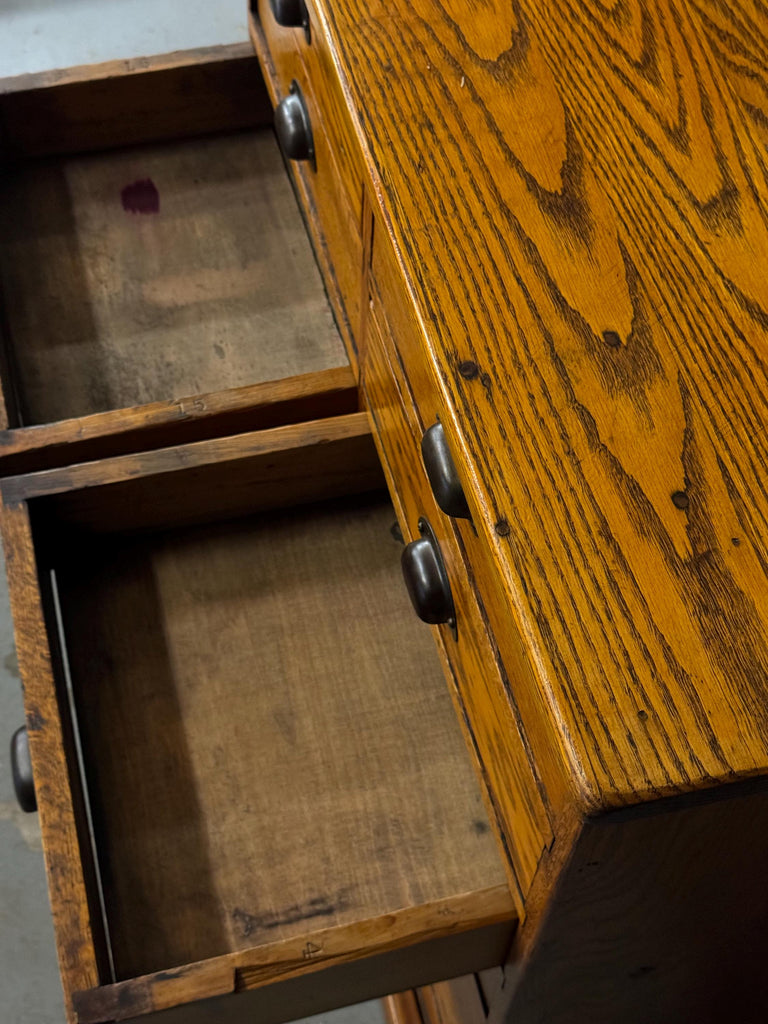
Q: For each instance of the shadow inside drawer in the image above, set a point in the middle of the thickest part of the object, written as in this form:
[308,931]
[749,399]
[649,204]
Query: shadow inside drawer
[269,745]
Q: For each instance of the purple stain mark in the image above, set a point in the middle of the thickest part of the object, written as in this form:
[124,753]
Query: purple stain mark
[141,197]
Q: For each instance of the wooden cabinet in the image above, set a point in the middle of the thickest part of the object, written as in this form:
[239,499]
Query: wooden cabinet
[540,277]
[256,791]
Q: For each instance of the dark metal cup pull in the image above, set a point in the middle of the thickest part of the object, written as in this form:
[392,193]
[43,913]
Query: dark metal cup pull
[441,471]
[291,14]
[426,578]
[21,770]
[292,126]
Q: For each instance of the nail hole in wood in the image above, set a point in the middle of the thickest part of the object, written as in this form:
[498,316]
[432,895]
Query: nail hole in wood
[680,499]
[612,338]
[469,370]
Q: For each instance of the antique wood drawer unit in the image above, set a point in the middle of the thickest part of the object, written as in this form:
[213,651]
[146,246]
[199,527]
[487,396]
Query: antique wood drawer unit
[541,228]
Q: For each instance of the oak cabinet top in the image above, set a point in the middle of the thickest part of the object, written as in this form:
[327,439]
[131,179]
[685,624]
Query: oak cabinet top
[578,192]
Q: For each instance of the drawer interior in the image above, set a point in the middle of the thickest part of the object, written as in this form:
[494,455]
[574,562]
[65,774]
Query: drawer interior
[156,272]
[268,742]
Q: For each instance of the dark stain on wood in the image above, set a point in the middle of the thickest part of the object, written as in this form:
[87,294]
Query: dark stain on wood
[141,197]
[318,906]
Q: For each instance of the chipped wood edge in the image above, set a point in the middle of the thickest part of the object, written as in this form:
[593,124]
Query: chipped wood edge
[124,68]
[290,958]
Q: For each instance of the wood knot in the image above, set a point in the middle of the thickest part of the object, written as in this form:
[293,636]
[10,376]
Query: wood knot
[469,370]
[612,339]
[503,528]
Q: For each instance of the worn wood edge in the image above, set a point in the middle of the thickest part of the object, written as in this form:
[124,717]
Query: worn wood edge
[124,68]
[61,846]
[402,1008]
[301,955]
[54,444]
[183,457]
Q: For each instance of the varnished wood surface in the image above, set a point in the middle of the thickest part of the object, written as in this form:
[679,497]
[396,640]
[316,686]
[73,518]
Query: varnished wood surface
[577,197]
[332,199]
[108,307]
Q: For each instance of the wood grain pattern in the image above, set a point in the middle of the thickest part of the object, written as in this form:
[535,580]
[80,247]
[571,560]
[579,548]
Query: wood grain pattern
[125,102]
[164,424]
[213,479]
[577,201]
[411,947]
[424,405]
[270,969]
[278,752]
[333,222]
[737,36]
[333,104]
[109,308]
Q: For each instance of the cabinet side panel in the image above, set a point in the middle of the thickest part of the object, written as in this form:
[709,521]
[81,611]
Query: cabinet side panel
[657,917]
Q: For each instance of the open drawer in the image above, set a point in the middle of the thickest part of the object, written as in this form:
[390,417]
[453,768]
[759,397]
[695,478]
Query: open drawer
[154,265]
[255,798]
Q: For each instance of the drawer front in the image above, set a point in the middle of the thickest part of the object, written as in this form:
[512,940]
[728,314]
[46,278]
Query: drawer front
[330,187]
[334,108]
[386,282]
[327,203]
[480,685]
